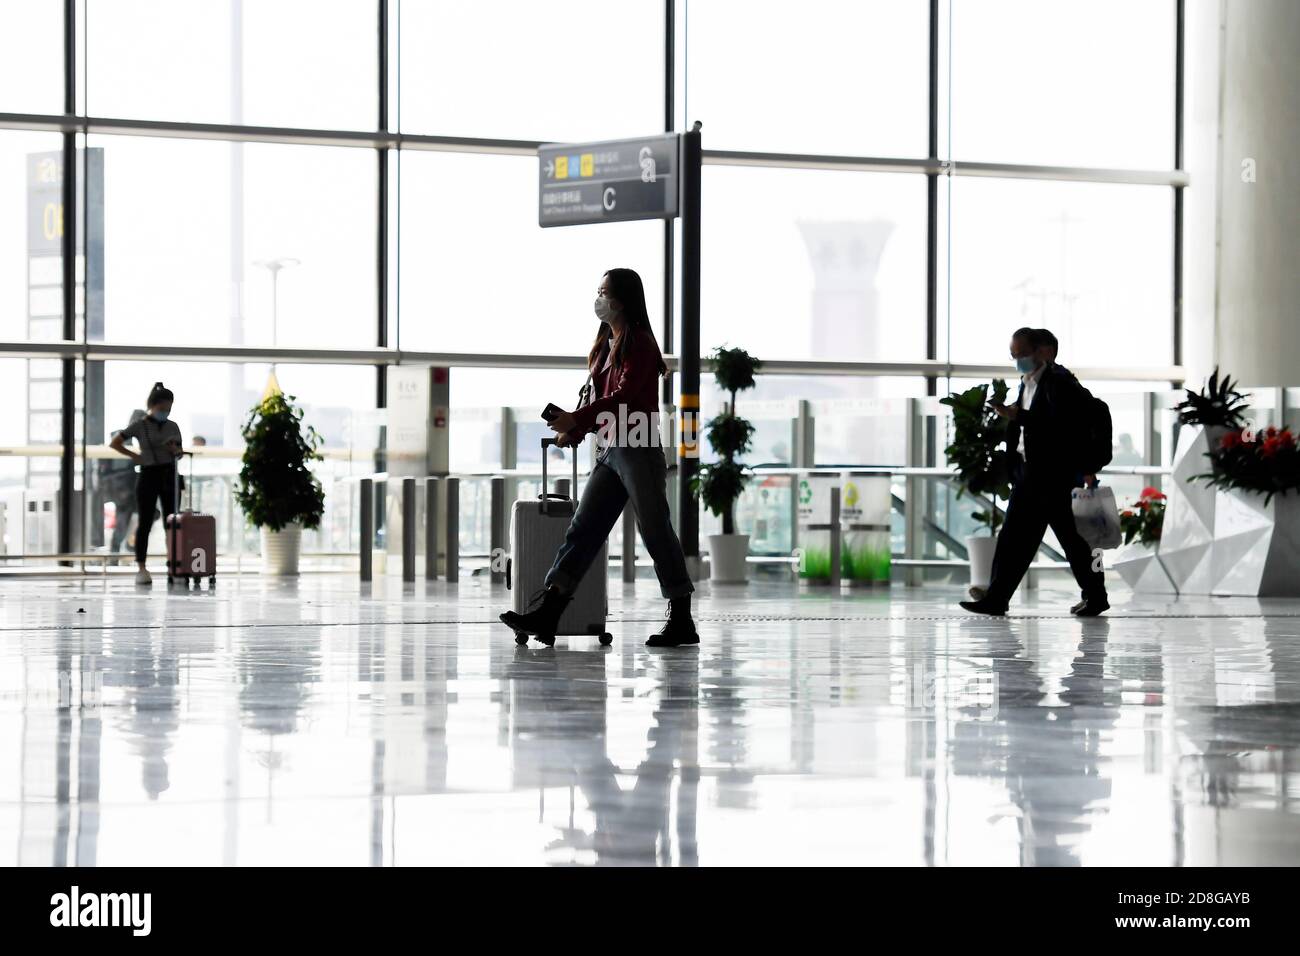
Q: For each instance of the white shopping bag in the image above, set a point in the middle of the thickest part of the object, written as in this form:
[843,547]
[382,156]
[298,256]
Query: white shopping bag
[1097,517]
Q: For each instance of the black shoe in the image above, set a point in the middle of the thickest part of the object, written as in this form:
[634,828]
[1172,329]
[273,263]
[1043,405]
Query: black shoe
[541,618]
[1091,607]
[679,630]
[984,606]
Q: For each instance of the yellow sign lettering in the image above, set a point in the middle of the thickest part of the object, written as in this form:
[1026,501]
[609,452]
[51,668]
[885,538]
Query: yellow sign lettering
[52,220]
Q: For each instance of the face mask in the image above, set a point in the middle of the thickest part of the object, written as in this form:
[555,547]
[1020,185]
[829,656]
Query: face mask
[604,311]
[160,417]
[1026,365]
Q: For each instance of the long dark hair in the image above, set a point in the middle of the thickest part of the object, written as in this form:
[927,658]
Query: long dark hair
[625,286]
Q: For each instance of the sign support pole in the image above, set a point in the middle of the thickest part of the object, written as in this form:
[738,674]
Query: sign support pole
[670,125]
[688,349]
[68,251]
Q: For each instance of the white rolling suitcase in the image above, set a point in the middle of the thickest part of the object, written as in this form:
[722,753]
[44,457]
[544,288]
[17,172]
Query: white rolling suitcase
[536,532]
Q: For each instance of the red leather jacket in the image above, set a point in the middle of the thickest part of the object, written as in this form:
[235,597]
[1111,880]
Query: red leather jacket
[624,389]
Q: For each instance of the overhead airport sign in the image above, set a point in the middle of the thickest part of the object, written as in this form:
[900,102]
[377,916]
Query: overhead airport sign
[610,181]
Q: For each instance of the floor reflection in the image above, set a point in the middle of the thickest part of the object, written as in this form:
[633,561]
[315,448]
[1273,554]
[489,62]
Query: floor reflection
[290,723]
[558,734]
[1047,746]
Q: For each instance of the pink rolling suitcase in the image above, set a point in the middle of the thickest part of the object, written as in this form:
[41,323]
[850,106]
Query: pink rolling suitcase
[191,540]
[536,532]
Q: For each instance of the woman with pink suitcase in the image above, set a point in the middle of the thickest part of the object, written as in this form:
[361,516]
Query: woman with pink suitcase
[159,440]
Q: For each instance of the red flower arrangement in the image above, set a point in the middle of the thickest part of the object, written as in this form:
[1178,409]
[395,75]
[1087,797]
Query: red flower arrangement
[1267,462]
[1145,518]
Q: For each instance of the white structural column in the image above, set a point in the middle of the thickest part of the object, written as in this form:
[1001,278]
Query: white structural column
[1259,192]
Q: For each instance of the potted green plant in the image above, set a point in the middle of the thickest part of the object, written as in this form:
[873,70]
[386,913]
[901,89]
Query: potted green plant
[1216,409]
[1267,462]
[983,467]
[1138,562]
[1217,405]
[720,483]
[1143,520]
[1257,517]
[276,490]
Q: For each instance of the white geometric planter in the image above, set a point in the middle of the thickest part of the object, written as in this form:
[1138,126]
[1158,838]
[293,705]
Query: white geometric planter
[1256,546]
[1139,565]
[1217,542]
[1187,538]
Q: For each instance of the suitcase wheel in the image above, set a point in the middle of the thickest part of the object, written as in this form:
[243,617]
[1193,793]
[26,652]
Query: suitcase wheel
[547,639]
[521,638]
[606,639]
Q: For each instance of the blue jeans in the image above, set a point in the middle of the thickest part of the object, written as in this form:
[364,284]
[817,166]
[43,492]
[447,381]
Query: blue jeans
[621,475]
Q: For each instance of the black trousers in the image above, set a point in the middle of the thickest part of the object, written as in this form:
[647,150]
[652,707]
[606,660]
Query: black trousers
[1037,504]
[153,483]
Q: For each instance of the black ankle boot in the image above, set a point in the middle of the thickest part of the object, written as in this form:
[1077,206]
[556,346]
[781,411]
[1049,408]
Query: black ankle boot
[679,630]
[540,619]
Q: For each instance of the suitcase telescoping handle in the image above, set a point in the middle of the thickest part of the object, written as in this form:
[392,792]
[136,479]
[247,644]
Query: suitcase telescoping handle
[547,495]
[189,485]
[173,559]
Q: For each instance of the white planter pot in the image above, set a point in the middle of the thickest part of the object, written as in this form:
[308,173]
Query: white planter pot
[980,548]
[1186,549]
[1140,567]
[727,553]
[280,550]
[1256,545]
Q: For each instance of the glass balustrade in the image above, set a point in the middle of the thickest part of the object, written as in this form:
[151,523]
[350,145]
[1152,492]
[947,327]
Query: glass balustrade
[902,437]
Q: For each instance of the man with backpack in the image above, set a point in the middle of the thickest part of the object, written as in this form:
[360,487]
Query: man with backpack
[1058,438]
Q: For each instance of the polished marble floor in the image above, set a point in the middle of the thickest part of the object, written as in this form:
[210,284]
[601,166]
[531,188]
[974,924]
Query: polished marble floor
[317,722]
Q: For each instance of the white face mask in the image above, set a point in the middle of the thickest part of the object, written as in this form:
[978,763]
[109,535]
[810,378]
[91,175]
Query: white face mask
[604,310]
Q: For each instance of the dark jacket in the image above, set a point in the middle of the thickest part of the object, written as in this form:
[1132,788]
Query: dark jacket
[1053,427]
[620,390]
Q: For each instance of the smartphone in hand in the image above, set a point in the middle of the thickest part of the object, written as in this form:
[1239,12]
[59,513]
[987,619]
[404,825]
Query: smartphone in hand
[551,412]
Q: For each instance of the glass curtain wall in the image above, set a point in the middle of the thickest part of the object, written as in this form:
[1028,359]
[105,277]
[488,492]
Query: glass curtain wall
[886,183]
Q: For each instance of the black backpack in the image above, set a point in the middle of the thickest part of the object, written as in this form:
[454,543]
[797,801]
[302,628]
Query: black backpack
[1096,447]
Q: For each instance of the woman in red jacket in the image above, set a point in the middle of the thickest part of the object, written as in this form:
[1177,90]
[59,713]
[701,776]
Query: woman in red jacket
[625,364]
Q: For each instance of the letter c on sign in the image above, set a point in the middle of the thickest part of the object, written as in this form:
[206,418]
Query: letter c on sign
[608,199]
[52,220]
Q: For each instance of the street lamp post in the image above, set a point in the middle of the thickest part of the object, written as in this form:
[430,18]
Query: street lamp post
[274,266]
